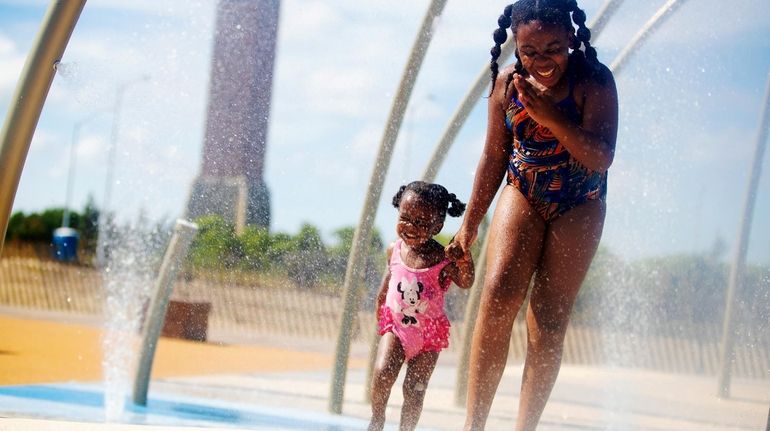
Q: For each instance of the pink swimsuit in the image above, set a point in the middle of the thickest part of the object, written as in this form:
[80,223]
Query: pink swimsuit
[414,306]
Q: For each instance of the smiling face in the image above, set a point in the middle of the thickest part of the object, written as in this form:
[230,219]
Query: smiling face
[418,221]
[544,51]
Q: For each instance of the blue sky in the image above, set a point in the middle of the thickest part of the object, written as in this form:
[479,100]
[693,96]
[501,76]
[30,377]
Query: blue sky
[690,103]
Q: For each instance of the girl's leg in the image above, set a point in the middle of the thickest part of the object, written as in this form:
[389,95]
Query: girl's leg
[418,372]
[390,357]
[514,247]
[570,243]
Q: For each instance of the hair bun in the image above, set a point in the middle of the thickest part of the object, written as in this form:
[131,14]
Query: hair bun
[584,34]
[504,21]
[591,53]
[579,17]
[500,36]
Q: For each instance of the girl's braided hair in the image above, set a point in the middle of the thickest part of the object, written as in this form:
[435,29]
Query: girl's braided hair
[433,194]
[548,12]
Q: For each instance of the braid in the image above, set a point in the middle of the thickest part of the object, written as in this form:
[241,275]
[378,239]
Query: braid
[551,12]
[398,195]
[500,35]
[583,35]
[456,207]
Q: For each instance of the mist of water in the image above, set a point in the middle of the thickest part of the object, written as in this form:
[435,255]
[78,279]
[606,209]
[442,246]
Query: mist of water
[128,279]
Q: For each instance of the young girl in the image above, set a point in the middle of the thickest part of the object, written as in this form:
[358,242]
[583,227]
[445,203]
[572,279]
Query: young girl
[410,304]
[552,124]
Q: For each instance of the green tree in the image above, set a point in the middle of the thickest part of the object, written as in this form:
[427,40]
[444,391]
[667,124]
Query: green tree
[15,226]
[308,259]
[281,246]
[216,245]
[33,228]
[257,245]
[88,226]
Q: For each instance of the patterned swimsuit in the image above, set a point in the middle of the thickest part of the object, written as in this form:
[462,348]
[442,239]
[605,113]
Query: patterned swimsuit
[542,169]
[414,306]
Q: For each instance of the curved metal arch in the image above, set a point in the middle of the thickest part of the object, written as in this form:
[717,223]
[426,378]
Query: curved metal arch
[356,262]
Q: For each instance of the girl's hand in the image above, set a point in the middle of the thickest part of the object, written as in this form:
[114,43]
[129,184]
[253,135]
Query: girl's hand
[461,271]
[539,103]
[460,246]
[454,251]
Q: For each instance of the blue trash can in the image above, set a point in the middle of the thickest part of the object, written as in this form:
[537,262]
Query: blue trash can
[65,244]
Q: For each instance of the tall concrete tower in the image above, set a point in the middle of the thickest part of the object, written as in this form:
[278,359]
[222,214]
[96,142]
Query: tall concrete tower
[231,182]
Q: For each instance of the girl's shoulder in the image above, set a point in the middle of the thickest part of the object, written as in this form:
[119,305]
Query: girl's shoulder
[506,71]
[590,75]
[591,84]
[504,89]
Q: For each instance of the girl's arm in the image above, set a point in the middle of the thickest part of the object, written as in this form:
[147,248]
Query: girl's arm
[383,286]
[462,272]
[490,170]
[592,143]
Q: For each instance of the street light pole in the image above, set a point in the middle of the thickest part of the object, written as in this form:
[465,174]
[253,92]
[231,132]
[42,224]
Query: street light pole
[411,115]
[738,266]
[102,240]
[71,169]
[357,259]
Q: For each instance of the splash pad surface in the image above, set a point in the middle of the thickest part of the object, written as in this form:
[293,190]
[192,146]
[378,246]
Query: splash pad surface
[33,372]
[248,387]
[85,403]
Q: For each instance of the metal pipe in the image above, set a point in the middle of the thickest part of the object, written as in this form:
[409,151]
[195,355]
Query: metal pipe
[603,16]
[71,169]
[452,129]
[101,244]
[361,238]
[649,27]
[65,219]
[184,232]
[767,427]
[461,387]
[737,269]
[31,92]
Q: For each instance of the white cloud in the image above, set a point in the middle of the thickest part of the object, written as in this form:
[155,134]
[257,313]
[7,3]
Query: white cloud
[90,149]
[366,142]
[7,47]
[12,64]
[338,64]
[43,141]
[165,7]
[337,91]
[300,20]
[692,24]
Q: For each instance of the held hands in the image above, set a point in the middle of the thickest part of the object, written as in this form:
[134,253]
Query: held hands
[454,252]
[459,252]
[459,249]
[539,103]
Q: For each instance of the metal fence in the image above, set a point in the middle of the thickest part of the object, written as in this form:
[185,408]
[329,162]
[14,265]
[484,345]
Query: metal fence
[288,311]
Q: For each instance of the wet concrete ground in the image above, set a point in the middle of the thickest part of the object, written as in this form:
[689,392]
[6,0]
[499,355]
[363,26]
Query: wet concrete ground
[51,377]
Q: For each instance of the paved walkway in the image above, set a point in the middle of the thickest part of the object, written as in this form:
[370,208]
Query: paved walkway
[232,386]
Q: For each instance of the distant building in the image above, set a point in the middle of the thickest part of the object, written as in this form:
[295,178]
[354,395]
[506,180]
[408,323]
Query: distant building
[231,182]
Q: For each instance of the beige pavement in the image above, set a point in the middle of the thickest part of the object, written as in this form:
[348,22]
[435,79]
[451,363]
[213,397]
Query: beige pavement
[16,424]
[281,375]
